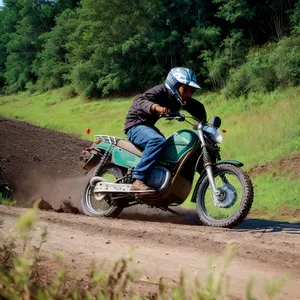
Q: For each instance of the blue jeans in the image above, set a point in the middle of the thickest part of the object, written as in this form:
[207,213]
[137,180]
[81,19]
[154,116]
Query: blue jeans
[152,142]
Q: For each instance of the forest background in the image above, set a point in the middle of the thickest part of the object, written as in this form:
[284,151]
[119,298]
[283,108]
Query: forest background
[111,47]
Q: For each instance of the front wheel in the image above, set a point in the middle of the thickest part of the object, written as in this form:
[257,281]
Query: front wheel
[233,202]
[107,206]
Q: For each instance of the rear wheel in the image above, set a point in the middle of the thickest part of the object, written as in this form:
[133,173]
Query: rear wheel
[234,200]
[107,206]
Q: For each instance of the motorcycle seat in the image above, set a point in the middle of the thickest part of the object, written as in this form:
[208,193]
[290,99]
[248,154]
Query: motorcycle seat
[129,147]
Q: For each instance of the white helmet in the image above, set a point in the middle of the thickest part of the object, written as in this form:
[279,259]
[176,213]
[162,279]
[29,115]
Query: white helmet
[179,76]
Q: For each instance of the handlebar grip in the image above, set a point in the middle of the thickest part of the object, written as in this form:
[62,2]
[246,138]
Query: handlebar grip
[173,116]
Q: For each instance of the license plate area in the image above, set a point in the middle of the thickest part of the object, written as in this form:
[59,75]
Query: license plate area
[92,162]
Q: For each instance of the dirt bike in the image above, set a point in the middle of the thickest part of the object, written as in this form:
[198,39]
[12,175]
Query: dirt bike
[223,193]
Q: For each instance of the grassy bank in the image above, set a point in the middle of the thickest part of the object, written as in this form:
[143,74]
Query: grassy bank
[260,129]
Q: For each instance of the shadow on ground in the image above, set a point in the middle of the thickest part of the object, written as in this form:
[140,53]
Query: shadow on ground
[144,213]
[189,217]
[269,226]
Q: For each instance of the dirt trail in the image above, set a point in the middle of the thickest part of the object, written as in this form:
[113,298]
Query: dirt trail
[43,164]
[266,250]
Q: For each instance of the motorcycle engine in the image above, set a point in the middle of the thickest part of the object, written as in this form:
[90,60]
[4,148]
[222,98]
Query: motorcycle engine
[159,178]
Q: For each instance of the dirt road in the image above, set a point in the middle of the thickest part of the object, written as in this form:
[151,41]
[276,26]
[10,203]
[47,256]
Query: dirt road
[265,249]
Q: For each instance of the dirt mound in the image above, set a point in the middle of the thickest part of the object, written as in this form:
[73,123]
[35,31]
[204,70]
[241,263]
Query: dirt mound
[287,165]
[39,163]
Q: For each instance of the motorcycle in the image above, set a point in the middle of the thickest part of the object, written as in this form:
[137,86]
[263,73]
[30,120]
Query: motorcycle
[223,193]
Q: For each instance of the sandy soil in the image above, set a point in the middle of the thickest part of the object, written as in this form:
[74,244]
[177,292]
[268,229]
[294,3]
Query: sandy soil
[38,163]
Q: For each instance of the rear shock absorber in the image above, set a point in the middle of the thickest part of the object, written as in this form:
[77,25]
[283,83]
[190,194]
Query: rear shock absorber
[103,160]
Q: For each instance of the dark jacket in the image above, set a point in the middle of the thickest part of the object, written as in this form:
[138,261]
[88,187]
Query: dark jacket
[140,111]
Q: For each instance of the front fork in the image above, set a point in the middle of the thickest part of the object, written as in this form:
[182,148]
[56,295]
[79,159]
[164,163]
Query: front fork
[216,194]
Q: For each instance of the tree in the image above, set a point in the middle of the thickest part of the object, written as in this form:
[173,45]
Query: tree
[51,66]
[31,18]
[8,19]
[295,17]
[109,49]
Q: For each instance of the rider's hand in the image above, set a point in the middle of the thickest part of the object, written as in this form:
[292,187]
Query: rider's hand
[161,110]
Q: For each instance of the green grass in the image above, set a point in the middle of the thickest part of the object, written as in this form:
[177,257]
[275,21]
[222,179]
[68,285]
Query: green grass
[54,111]
[6,201]
[277,196]
[260,129]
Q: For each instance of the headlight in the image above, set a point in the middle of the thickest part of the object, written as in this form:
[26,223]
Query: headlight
[219,136]
[216,135]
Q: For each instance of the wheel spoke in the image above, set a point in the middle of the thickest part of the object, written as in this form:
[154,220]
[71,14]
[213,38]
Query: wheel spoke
[107,204]
[228,206]
[233,201]
[98,205]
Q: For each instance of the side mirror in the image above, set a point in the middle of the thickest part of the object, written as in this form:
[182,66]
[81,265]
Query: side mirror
[216,121]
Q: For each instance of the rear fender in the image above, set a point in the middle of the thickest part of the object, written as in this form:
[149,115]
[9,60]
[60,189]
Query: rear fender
[92,162]
[94,155]
[203,174]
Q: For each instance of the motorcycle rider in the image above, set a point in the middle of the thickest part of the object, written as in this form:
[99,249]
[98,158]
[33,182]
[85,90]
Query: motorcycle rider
[173,95]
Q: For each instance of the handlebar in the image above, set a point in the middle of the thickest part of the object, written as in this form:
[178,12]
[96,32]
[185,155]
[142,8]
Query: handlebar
[216,121]
[173,116]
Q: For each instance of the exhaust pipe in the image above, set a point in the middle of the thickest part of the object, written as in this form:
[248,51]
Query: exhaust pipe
[95,180]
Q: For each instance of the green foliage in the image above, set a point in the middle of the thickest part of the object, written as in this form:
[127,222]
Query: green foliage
[255,75]
[108,49]
[2,83]
[105,47]
[23,24]
[286,61]
[266,69]
[203,43]
[6,201]
[51,65]
[232,10]
[27,220]
[232,56]
[295,17]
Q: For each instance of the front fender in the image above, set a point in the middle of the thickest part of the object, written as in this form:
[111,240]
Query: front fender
[230,162]
[203,174]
